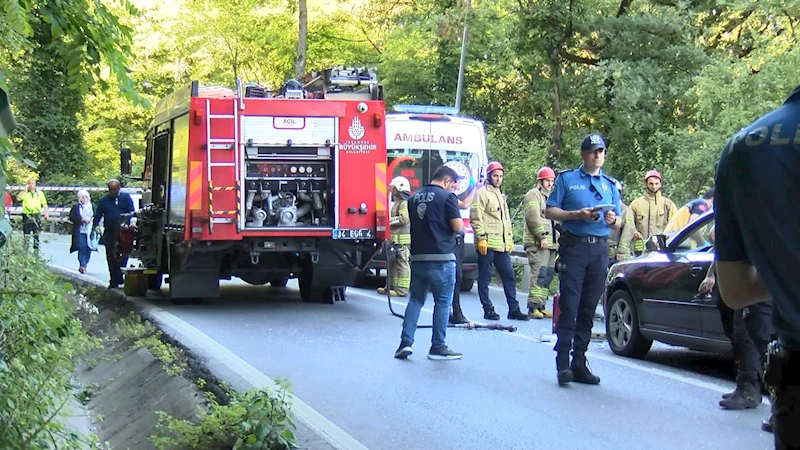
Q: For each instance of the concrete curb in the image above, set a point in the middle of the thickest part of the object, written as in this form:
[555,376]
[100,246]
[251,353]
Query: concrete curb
[314,434]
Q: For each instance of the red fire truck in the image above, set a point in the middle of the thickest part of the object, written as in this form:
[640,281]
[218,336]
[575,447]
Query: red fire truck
[264,185]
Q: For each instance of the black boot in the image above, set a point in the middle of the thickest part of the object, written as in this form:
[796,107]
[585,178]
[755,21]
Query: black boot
[747,394]
[565,374]
[518,315]
[457,316]
[581,370]
[766,425]
[489,314]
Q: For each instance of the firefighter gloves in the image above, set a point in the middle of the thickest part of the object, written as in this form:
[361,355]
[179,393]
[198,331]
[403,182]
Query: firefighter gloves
[482,246]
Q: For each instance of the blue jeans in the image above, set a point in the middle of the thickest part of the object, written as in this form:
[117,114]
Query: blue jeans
[502,261]
[438,278]
[84,253]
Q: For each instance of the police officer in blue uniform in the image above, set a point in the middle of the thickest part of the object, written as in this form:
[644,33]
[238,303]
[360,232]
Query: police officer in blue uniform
[757,231]
[586,202]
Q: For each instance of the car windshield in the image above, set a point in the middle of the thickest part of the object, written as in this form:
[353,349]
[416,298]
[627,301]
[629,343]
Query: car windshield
[695,235]
[419,165]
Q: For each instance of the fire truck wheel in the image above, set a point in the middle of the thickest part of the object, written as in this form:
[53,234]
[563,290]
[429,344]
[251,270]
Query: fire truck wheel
[279,280]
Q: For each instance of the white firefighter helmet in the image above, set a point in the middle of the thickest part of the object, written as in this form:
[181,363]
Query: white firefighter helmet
[401,184]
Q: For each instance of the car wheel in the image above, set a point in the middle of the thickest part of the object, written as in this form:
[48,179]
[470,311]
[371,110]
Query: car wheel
[467,284]
[622,327]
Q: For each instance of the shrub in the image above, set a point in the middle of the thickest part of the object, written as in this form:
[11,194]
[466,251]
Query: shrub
[253,420]
[41,339]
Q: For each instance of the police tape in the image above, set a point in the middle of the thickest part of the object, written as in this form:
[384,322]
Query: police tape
[70,188]
[18,209]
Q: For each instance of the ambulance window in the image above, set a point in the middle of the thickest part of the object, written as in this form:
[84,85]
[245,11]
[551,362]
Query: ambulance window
[419,165]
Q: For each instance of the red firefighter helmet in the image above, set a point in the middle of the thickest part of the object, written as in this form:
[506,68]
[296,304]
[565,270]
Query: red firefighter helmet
[652,173]
[494,165]
[545,173]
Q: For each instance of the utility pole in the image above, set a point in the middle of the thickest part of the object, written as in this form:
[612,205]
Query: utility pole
[463,58]
[302,33]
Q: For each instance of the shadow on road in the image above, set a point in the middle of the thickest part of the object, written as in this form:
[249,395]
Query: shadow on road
[712,364]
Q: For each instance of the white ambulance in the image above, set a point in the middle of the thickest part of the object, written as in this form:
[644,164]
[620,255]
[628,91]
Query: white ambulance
[419,139]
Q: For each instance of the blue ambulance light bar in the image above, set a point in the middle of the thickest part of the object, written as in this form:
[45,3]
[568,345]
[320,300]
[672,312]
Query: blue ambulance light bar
[426,109]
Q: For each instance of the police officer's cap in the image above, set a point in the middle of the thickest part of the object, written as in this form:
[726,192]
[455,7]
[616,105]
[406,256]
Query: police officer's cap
[592,142]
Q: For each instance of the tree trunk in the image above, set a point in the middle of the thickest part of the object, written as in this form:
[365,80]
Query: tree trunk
[300,66]
[558,125]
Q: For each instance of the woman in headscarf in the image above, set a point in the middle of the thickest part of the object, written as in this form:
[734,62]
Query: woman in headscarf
[81,216]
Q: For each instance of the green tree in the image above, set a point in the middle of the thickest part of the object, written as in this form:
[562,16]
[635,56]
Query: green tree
[88,36]
[46,109]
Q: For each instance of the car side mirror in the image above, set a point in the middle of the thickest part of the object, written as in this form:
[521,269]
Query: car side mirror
[656,243]
[125,161]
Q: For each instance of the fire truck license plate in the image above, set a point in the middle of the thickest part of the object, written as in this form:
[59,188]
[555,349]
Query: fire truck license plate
[357,233]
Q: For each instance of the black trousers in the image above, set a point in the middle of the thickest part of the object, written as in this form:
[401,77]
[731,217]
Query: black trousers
[582,270]
[110,238]
[785,409]
[459,271]
[749,330]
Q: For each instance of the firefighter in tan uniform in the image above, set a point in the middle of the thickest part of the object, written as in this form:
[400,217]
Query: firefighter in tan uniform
[619,251]
[399,278]
[650,213]
[541,243]
[494,243]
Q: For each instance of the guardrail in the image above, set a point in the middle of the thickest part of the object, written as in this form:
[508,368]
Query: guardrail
[57,215]
[520,258]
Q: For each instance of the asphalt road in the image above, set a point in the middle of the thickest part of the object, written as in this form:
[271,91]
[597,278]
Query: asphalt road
[502,395]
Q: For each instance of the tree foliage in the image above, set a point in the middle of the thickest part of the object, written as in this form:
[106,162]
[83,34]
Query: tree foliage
[59,51]
[665,82]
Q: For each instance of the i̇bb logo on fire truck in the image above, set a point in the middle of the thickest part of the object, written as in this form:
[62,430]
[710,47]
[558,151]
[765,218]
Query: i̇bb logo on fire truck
[355,145]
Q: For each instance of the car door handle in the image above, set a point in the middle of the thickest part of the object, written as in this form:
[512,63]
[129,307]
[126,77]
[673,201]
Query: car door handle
[696,270]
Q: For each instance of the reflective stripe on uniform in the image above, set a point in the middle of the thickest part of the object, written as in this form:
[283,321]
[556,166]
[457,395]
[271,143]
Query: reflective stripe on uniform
[537,292]
[401,238]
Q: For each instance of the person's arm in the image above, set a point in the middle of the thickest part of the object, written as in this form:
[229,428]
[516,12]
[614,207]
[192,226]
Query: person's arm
[401,219]
[738,280]
[45,208]
[533,217]
[612,218]
[672,211]
[131,206]
[74,215]
[453,214]
[708,282]
[98,213]
[553,210]
[617,223]
[467,202]
[628,230]
[476,219]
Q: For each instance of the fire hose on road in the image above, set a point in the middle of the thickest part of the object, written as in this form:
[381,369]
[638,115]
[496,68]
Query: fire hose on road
[389,254]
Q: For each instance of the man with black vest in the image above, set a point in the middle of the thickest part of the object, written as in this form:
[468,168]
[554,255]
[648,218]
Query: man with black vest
[435,222]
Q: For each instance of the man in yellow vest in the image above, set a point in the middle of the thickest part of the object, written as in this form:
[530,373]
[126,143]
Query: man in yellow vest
[34,204]
[650,213]
[491,224]
[399,279]
[690,211]
[541,243]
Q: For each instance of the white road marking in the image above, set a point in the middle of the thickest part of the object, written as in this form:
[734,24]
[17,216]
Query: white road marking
[717,387]
[329,431]
[334,435]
